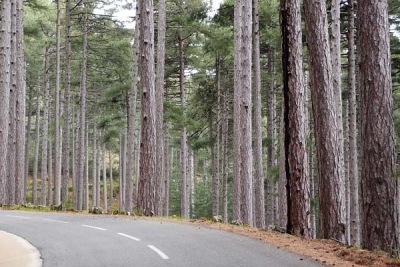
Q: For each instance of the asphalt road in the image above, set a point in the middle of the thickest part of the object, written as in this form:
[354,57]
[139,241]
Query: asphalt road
[74,240]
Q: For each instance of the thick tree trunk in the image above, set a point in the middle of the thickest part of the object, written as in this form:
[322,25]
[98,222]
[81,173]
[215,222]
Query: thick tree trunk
[327,131]
[258,155]
[352,124]
[295,120]
[5,56]
[184,148]
[45,129]
[245,120]
[66,130]
[148,133]
[160,106]
[378,140]
[57,145]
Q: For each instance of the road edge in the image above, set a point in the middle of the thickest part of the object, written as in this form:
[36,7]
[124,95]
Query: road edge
[15,251]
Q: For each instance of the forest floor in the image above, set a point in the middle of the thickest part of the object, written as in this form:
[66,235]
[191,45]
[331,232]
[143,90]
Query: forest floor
[327,252]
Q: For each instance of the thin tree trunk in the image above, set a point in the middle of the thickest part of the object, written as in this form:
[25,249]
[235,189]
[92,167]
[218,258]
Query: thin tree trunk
[130,152]
[28,143]
[283,206]
[166,170]
[11,153]
[258,155]
[98,171]
[5,56]
[45,130]
[105,181]
[86,184]
[74,158]
[327,130]
[66,130]
[50,174]
[271,134]
[121,173]
[225,121]
[110,156]
[20,108]
[82,115]
[94,170]
[352,124]
[379,192]
[57,152]
[184,148]
[37,144]
[295,120]
[237,160]
[160,105]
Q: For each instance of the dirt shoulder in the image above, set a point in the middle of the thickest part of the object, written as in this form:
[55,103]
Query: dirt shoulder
[328,252]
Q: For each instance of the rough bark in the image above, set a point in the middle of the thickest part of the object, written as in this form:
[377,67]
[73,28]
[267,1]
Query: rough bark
[45,129]
[121,173]
[327,131]
[245,114]
[224,135]
[86,184]
[184,148]
[295,120]
[50,174]
[66,129]
[94,170]
[37,145]
[130,152]
[258,155]
[82,115]
[379,187]
[5,56]
[57,143]
[20,108]
[271,134]
[166,170]
[148,133]
[160,106]
[282,198]
[352,133]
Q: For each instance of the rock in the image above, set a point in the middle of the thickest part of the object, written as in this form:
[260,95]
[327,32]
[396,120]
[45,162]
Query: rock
[96,210]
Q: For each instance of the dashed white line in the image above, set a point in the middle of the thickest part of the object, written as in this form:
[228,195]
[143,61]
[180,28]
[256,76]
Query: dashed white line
[56,221]
[128,236]
[159,252]
[21,217]
[94,227]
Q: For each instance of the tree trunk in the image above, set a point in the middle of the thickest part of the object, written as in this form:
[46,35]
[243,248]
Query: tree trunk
[5,56]
[28,142]
[11,153]
[295,120]
[122,166]
[148,133]
[160,105]
[105,181]
[94,170]
[66,131]
[37,144]
[184,148]
[378,139]
[225,170]
[166,170]
[82,115]
[271,134]
[352,133]
[50,174]
[20,108]
[258,155]
[45,130]
[74,158]
[282,198]
[327,131]
[245,114]
[86,184]
[237,160]
[110,156]
[130,153]
[57,152]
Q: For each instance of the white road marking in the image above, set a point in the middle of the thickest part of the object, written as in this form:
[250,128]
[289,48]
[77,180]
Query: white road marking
[21,217]
[128,236]
[50,220]
[159,252]
[94,227]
